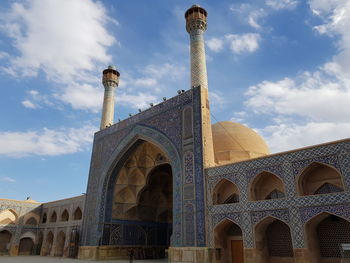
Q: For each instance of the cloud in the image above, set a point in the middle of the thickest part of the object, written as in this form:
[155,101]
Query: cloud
[29,104]
[249,14]
[245,43]
[46,142]
[67,40]
[316,96]
[215,44]
[238,44]
[217,98]
[165,71]
[282,4]
[83,96]
[8,179]
[311,107]
[145,82]
[284,137]
[137,101]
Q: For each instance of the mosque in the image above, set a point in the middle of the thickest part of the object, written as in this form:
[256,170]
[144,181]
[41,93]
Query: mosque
[167,183]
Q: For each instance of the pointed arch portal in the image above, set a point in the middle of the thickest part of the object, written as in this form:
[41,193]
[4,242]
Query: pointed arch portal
[325,232]
[141,211]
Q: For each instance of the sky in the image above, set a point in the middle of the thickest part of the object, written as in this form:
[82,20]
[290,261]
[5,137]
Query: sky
[281,67]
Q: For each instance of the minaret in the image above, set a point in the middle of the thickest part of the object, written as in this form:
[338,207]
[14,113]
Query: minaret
[110,80]
[196,24]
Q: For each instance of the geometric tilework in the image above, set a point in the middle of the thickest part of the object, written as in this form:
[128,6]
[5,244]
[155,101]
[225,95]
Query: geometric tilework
[293,209]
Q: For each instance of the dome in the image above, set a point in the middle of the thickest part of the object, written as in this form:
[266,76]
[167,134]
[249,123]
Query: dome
[234,142]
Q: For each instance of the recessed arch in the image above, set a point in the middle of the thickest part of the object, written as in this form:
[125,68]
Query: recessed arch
[5,241]
[53,217]
[65,215]
[77,214]
[228,241]
[273,241]
[146,197]
[225,192]
[8,216]
[39,243]
[324,234]
[26,246]
[266,186]
[107,179]
[48,244]
[60,244]
[31,221]
[319,178]
[44,218]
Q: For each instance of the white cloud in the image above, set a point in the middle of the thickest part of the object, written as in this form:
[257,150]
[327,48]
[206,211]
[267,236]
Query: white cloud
[254,16]
[138,101]
[284,137]
[249,14]
[238,44]
[4,55]
[215,44]
[312,107]
[29,104]
[8,179]
[83,96]
[46,142]
[245,43]
[166,70]
[217,98]
[148,82]
[282,4]
[67,40]
[35,100]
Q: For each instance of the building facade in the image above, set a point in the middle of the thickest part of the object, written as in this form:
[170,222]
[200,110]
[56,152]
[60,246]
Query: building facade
[167,183]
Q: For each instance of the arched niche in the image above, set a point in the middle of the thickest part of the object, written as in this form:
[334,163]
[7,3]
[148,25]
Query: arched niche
[266,186]
[228,242]
[273,241]
[324,234]
[5,241]
[8,216]
[77,214]
[155,199]
[108,208]
[187,123]
[225,192]
[31,218]
[132,179]
[147,197]
[46,251]
[319,178]
[65,215]
[39,243]
[26,246]
[44,218]
[31,221]
[53,217]
[60,242]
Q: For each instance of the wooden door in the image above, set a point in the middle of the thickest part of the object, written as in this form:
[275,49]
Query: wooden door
[237,251]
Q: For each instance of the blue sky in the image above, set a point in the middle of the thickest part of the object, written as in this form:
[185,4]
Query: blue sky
[281,67]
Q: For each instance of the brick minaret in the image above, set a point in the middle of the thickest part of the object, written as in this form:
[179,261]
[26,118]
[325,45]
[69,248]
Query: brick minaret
[196,24]
[110,80]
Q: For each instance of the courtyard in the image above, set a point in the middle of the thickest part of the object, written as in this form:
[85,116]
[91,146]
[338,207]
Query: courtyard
[38,259]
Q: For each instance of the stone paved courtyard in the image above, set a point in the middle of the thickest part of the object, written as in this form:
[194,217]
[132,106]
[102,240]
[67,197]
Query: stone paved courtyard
[37,259]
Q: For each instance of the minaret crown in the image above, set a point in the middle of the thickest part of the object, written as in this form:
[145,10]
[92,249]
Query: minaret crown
[196,18]
[110,77]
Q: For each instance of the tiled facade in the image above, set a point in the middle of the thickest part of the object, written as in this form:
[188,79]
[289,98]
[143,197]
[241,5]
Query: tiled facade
[38,229]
